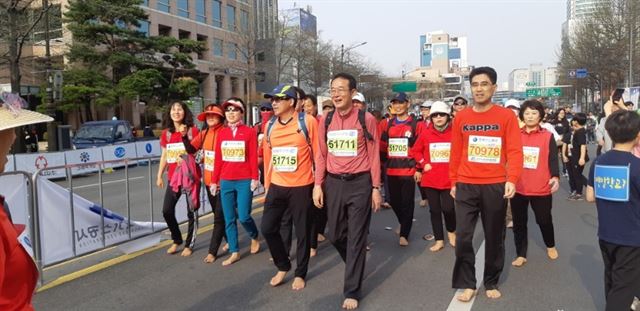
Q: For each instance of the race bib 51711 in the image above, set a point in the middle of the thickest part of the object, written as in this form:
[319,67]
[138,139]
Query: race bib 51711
[343,143]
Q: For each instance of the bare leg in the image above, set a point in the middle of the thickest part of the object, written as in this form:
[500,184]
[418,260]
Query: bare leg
[233,258]
[350,304]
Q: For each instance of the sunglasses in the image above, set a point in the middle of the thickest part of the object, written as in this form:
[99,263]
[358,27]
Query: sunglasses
[460,104]
[439,114]
[265,109]
[232,109]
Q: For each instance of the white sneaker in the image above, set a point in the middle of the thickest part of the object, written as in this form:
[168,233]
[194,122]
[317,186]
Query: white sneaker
[635,306]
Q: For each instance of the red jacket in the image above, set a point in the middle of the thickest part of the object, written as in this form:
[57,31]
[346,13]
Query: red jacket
[539,164]
[438,144]
[399,160]
[18,273]
[236,155]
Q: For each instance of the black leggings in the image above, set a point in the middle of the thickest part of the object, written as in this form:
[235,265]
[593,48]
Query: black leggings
[218,231]
[169,213]
[440,202]
[541,206]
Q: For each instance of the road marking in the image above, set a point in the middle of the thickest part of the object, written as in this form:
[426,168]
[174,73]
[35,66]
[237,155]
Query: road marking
[455,304]
[107,182]
[126,257]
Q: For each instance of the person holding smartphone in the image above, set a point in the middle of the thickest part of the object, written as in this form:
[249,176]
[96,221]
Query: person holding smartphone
[614,104]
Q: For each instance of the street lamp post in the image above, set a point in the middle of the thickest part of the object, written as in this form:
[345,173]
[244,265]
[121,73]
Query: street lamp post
[343,50]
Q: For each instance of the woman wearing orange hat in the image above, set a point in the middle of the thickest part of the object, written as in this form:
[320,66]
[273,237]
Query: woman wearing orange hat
[206,141]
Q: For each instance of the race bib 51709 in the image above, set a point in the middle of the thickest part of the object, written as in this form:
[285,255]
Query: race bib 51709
[484,149]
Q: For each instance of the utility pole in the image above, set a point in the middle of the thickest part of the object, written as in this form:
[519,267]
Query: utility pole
[51,126]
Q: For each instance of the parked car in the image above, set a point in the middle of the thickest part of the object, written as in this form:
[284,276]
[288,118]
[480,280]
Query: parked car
[101,133]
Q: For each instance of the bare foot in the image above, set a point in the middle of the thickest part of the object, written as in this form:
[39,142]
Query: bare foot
[255,246]
[186,252]
[397,231]
[452,238]
[298,283]
[233,258]
[350,304]
[510,224]
[438,246]
[466,295]
[173,249]
[493,294]
[321,237]
[519,262]
[313,252]
[225,247]
[403,241]
[385,205]
[278,278]
[552,252]
[423,203]
[209,259]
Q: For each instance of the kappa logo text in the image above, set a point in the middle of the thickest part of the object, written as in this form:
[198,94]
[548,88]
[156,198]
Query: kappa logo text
[480,127]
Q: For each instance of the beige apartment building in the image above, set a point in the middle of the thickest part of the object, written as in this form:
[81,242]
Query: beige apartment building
[226,27]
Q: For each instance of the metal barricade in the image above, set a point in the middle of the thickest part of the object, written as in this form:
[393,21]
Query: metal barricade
[32,215]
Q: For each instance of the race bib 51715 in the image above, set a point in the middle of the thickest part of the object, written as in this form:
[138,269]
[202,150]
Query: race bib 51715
[284,159]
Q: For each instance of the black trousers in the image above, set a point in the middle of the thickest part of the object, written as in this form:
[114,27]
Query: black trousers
[348,204]
[402,190]
[440,202]
[621,275]
[423,192]
[576,180]
[318,225]
[169,214]
[218,231]
[541,206]
[487,202]
[286,230]
[298,200]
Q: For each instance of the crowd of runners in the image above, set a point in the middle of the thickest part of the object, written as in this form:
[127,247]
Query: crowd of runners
[325,174]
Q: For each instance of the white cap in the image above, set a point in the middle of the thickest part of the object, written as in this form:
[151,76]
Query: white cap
[440,106]
[359,97]
[427,104]
[512,103]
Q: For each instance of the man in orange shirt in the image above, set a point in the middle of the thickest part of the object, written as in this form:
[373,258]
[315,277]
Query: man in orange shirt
[288,150]
[486,162]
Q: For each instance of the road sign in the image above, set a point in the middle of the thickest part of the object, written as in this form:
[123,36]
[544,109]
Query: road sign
[572,74]
[544,92]
[407,86]
[581,73]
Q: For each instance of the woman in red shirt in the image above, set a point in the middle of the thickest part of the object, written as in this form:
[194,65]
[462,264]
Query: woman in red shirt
[172,146]
[538,181]
[431,153]
[18,272]
[236,171]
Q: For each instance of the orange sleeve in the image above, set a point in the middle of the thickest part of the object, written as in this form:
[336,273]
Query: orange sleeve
[514,150]
[456,151]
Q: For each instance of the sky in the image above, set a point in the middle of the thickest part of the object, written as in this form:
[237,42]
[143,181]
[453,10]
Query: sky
[502,34]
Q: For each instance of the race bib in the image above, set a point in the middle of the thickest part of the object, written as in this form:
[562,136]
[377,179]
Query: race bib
[611,182]
[531,157]
[209,156]
[484,149]
[343,143]
[284,159]
[233,151]
[439,152]
[398,147]
[174,151]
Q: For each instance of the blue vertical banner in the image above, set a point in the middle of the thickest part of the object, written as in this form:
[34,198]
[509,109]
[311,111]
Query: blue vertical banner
[611,183]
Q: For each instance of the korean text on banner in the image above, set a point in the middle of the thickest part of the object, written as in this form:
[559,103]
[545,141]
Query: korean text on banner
[84,156]
[118,152]
[32,162]
[55,221]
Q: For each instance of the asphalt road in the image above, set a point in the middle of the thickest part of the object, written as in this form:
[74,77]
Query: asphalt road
[397,278]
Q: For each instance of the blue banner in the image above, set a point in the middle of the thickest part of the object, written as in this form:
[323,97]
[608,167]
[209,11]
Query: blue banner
[611,183]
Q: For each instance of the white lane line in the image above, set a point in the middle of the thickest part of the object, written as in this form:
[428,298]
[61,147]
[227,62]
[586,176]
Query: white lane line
[455,304]
[107,182]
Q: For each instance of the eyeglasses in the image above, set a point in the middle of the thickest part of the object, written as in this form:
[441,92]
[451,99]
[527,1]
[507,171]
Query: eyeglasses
[265,109]
[232,109]
[439,114]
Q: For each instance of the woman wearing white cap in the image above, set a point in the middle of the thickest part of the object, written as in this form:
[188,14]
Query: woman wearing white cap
[431,153]
[18,273]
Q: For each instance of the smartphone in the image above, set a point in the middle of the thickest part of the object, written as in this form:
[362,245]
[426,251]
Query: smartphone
[617,95]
